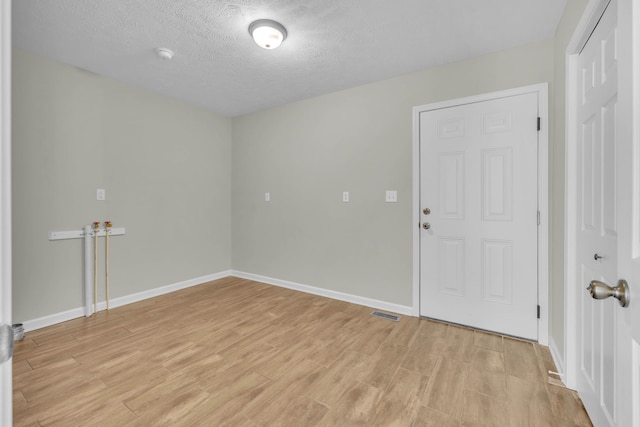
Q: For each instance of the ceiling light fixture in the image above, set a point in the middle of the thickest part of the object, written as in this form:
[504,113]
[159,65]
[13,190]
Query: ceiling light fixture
[267,34]
[164,53]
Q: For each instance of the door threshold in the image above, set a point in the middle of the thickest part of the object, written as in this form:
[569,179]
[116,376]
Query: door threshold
[479,329]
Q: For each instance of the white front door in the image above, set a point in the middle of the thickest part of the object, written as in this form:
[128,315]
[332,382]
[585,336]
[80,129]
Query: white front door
[607,227]
[479,184]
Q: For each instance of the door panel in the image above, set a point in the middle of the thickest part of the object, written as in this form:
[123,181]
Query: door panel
[627,336]
[607,202]
[497,268]
[597,233]
[478,176]
[497,184]
[451,167]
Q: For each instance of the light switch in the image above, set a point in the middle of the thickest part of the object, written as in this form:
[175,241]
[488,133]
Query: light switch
[101,194]
[267,197]
[391,196]
[345,196]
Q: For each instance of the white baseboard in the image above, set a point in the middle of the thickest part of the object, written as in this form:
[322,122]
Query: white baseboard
[52,319]
[31,325]
[557,359]
[41,322]
[341,296]
[165,289]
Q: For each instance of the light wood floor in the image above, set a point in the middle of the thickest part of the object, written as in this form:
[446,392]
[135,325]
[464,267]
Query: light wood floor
[240,353]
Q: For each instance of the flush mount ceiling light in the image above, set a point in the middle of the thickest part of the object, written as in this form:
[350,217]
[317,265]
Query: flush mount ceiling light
[164,53]
[267,34]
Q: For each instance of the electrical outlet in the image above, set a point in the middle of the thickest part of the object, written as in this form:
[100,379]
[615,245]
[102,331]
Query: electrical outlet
[345,196]
[267,197]
[101,194]
[391,196]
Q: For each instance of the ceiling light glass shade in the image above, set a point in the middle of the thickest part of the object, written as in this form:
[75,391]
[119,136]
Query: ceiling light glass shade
[267,34]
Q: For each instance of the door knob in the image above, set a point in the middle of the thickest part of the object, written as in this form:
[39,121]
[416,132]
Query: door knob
[426,211]
[599,290]
[426,226]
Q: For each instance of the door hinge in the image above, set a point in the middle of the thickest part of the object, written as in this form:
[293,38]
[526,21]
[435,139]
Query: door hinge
[538,217]
[539,123]
[538,313]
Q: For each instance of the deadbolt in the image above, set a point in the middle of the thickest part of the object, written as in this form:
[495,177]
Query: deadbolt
[426,211]
[597,257]
[426,226]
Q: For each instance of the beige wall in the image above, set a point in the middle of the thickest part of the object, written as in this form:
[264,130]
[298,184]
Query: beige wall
[168,169]
[165,166]
[358,140]
[568,23]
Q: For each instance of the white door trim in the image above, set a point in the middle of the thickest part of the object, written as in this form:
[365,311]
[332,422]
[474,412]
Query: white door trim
[6,394]
[543,194]
[585,27]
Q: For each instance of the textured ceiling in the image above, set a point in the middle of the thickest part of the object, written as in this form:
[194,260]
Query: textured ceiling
[332,44]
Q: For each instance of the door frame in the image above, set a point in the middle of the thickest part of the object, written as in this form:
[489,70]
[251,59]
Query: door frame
[542,90]
[6,393]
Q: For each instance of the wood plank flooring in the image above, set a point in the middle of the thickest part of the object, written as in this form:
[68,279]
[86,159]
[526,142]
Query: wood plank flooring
[240,353]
